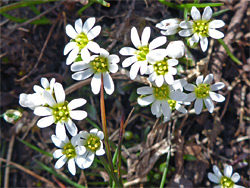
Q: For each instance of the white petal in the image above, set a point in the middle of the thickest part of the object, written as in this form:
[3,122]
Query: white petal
[186,24]
[217,186]
[217,171]
[38,89]
[169,78]
[88,24]
[203,43]
[145,90]
[100,152]
[146,100]
[155,108]
[175,49]
[70,31]
[157,42]
[96,83]
[82,75]
[198,105]
[71,127]
[180,108]
[128,61]
[228,171]
[72,166]
[217,86]
[145,36]
[152,77]
[57,141]
[70,46]
[173,62]
[72,56]
[103,52]
[93,33]
[135,37]
[45,122]
[60,162]
[59,93]
[127,51]
[213,178]
[78,114]
[190,97]
[94,131]
[189,87]
[61,132]
[166,109]
[85,55]
[215,34]
[100,135]
[48,98]
[78,25]
[89,158]
[195,13]
[207,14]
[208,79]
[216,24]
[43,111]
[80,150]
[113,58]
[199,80]
[195,39]
[93,47]
[238,186]
[216,97]
[170,31]
[79,66]
[159,80]
[134,70]
[113,68]
[209,104]
[58,153]
[186,32]
[75,103]
[235,177]
[108,83]
[45,83]
[178,95]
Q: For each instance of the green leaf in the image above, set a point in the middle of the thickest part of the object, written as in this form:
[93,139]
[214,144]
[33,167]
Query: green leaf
[92,123]
[189,157]
[79,12]
[52,171]
[35,148]
[220,12]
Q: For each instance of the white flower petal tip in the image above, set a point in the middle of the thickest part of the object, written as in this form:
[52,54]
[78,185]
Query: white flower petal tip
[169,26]
[195,13]
[176,49]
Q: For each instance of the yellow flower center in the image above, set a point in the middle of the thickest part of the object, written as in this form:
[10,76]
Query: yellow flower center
[226,182]
[162,92]
[172,104]
[69,150]
[201,27]
[202,91]
[93,143]
[100,64]
[81,40]
[61,112]
[161,67]
[142,53]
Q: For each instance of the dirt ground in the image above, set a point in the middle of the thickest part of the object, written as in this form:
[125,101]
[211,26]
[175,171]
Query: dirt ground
[29,52]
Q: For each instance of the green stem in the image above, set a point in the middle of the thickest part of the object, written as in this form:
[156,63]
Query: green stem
[165,169]
[229,53]
[85,7]
[104,128]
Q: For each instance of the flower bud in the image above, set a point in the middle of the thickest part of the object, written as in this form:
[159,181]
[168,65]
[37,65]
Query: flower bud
[176,49]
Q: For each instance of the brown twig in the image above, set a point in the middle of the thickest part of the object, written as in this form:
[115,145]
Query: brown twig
[28,172]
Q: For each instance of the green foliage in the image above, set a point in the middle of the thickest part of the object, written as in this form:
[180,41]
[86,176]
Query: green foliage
[188,157]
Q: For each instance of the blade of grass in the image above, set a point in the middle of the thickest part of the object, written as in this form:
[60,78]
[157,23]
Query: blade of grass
[229,53]
[79,12]
[92,123]
[52,171]
[220,12]
[165,169]
[35,148]
[37,12]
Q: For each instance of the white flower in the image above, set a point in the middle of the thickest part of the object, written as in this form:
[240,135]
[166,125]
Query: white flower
[169,26]
[93,144]
[204,92]
[161,68]
[60,111]
[139,56]
[163,99]
[81,40]
[227,180]
[69,151]
[34,100]
[201,27]
[98,65]
[176,49]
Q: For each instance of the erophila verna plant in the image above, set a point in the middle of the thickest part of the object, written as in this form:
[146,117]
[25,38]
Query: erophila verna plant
[167,94]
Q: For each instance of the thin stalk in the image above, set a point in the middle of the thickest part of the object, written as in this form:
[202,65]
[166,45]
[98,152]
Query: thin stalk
[104,128]
[229,53]
[120,148]
[165,169]
[79,12]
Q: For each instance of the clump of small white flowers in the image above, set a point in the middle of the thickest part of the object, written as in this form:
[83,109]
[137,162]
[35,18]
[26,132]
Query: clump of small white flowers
[164,99]
[81,40]
[69,151]
[92,142]
[162,64]
[139,56]
[36,99]
[169,26]
[60,111]
[204,92]
[201,27]
[227,180]
[99,65]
